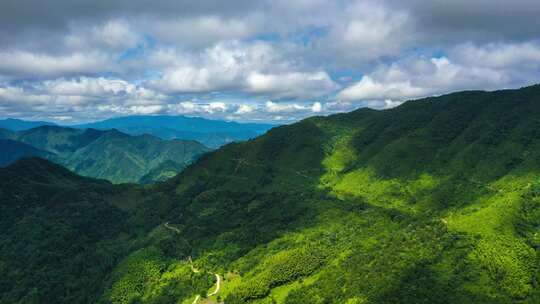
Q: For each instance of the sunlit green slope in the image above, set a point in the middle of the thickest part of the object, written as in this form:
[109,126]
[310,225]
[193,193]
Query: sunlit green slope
[432,202]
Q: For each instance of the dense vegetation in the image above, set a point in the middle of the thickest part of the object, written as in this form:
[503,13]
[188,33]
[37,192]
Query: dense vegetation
[110,155]
[58,236]
[211,133]
[13,150]
[435,201]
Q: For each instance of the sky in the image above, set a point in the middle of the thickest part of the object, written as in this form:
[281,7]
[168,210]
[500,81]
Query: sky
[255,61]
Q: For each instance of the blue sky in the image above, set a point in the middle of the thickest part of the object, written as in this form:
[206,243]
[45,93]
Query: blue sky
[268,61]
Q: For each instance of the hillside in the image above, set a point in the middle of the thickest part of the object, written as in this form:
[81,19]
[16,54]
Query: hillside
[435,201]
[431,202]
[211,133]
[110,154]
[63,234]
[54,249]
[12,150]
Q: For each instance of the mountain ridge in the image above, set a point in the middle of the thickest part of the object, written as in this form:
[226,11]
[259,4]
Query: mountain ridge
[19,124]
[212,133]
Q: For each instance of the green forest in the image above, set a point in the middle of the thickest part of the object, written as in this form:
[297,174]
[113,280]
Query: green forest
[434,201]
[110,154]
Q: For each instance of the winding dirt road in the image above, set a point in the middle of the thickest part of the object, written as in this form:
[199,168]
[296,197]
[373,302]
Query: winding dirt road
[195,270]
[171,228]
[218,285]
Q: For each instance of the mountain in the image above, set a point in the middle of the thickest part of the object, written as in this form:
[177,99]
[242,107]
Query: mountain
[13,150]
[63,234]
[59,237]
[110,154]
[434,201]
[123,158]
[211,133]
[18,125]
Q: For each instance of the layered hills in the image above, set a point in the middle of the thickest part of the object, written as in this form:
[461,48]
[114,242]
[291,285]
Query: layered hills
[110,154]
[435,201]
[19,124]
[211,133]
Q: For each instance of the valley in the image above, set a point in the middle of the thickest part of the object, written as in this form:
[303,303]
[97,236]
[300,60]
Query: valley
[111,155]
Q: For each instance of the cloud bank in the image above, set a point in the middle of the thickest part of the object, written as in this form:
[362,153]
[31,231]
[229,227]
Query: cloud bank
[255,60]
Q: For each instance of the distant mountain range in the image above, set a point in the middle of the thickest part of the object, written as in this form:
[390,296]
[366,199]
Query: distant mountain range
[211,133]
[111,154]
[18,124]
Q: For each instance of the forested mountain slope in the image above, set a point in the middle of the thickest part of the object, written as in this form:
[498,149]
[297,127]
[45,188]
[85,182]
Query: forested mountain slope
[110,154]
[11,150]
[58,234]
[435,201]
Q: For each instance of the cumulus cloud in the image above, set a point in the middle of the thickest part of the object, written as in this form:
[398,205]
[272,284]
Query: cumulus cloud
[17,64]
[316,107]
[293,84]
[467,67]
[273,107]
[369,89]
[88,96]
[112,35]
[243,109]
[366,31]
[499,55]
[256,68]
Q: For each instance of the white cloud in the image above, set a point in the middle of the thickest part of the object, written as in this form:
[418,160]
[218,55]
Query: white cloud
[294,84]
[85,96]
[365,31]
[220,67]
[256,69]
[467,67]
[100,89]
[499,55]
[24,63]
[316,107]
[100,86]
[216,107]
[273,107]
[367,89]
[149,109]
[188,80]
[244,109]
[189,107]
